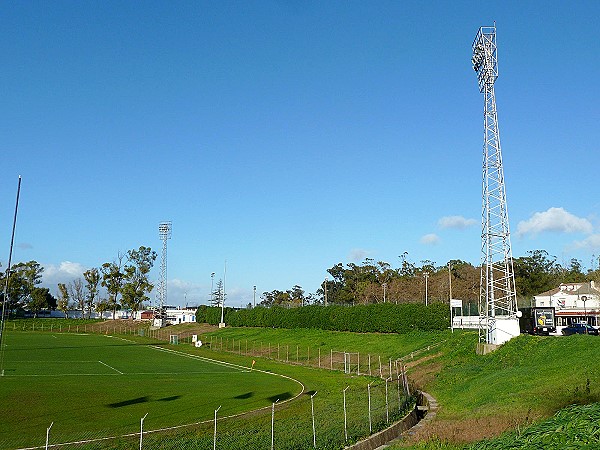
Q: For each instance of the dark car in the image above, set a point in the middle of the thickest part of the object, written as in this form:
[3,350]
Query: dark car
[579,328]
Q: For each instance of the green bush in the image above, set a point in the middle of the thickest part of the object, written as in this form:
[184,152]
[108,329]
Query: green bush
[378,318]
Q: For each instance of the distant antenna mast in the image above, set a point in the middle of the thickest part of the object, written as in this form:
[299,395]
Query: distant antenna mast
[164,232]
[497,298]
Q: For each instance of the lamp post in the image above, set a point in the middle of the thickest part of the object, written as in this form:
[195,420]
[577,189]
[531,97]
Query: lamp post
[426,275]
[254,304]
[212,289]
[384,288]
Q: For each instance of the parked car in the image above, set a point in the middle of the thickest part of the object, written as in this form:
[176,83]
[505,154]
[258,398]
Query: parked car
[579,328]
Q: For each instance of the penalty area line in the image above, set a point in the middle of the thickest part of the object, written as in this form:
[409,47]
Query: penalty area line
[110,367]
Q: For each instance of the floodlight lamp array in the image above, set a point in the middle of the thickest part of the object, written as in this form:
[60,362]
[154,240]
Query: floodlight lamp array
[164,230]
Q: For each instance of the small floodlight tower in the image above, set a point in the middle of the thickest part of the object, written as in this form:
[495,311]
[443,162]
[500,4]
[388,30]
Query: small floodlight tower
[498,320]
[164,232]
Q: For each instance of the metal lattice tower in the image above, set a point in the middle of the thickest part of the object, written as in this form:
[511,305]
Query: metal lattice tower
[164,231]
[497,298]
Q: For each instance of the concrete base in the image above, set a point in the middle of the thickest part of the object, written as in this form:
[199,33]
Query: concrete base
[484,349]
[222,325]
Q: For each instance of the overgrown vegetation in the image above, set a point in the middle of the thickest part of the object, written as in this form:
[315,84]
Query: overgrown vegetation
[382,317]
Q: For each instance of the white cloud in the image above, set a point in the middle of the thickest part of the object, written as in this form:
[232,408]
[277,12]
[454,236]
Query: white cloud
[458,222]
[430,239]
[358,254]
[592,242]
[65,272]
[556,220]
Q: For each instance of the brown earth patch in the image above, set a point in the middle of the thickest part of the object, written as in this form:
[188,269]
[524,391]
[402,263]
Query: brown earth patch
[467,430]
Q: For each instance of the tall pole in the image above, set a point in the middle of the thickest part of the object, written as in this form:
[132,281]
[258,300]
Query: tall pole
[3,314]
[164,232]
[222,324]
[497,295]
[212,288]
[254,301]
[326,291]
[426,275]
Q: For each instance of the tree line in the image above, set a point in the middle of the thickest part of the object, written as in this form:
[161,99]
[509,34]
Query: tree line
[125,282]
[378,282]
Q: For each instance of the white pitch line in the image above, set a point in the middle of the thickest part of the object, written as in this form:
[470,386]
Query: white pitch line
[110,367]
[202,358]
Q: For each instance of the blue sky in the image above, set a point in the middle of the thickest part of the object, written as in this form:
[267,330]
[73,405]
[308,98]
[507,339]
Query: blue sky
[284,137]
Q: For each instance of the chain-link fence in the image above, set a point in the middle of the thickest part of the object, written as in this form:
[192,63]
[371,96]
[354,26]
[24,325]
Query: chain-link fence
[322,420]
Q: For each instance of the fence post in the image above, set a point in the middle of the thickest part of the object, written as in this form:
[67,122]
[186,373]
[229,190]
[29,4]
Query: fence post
[398,393]
[387,405]
[142,429]
[312,411]
[215,432]
[48,435]
[345,421]
[369,393]
[369,355]
[273,425]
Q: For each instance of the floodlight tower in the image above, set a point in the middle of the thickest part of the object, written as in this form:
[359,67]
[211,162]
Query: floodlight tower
[164,232]
[497,297]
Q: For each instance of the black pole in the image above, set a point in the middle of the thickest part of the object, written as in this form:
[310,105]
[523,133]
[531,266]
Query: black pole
[5,300]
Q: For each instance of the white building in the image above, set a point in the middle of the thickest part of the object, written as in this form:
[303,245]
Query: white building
[573,303]
[177,315]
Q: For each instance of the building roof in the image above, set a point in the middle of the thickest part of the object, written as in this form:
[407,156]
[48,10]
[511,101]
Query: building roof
[572,289]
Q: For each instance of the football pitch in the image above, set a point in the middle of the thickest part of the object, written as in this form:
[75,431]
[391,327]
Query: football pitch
[93,386]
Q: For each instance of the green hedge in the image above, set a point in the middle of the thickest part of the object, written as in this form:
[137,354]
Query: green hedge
[382,317]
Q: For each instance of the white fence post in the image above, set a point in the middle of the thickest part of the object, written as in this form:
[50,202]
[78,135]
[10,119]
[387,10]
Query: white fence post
[369,392]
[142,429]
[48,435]
[312,411]
[215,432]
[345,421]
[273,425]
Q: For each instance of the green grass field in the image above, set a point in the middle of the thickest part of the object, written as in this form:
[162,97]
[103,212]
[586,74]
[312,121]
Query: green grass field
[94,386]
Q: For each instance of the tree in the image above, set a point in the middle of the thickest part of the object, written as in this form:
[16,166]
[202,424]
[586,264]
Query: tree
[535,273]
[40,298]
[24,278]
[77,293]
[102,306]
[92,280]
[112,280]
[217,295]
[63,299]
[136,284]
